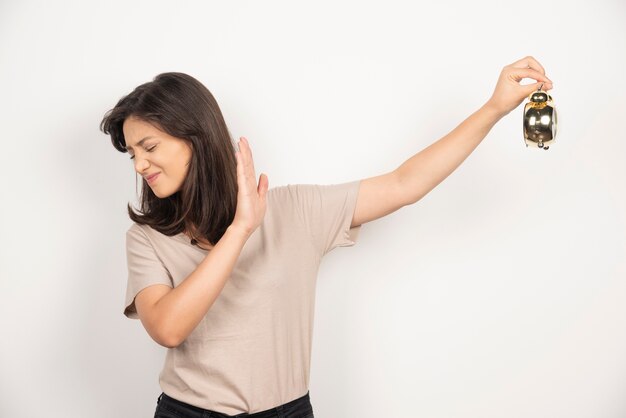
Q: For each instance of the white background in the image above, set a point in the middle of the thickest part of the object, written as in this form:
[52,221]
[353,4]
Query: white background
[499,294]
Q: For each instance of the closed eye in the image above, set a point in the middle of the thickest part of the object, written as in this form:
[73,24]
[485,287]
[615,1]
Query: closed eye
[149,150]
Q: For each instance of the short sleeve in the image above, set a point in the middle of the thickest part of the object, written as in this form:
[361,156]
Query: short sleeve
[327,211]
[144,268]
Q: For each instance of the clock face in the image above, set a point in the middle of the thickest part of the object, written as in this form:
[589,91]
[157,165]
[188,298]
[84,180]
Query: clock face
[554,122]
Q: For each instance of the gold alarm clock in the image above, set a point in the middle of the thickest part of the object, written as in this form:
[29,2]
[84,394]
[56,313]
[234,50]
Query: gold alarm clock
[539,120]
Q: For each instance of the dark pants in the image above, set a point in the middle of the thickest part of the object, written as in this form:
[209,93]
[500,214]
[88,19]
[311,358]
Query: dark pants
[168,407]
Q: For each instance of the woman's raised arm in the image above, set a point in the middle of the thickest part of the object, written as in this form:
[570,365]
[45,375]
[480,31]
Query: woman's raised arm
[384,194]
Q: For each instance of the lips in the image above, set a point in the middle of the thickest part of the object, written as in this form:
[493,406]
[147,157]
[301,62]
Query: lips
[151,177]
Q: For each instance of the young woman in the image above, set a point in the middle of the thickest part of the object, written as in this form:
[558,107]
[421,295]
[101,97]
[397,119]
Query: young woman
[222,269]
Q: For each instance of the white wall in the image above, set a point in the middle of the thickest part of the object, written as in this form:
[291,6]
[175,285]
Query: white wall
[499,294]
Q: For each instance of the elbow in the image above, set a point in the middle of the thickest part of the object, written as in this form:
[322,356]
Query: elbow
[170,345]
[163,329]
[404,191]
[168,342]
[412,192]
[167,338]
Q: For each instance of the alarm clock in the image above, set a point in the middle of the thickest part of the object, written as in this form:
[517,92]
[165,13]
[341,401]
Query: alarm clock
[539,120]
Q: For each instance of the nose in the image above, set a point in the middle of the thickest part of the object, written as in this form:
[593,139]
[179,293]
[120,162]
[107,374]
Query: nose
[141,164]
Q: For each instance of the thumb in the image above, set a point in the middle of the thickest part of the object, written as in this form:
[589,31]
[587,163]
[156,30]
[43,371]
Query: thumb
[543,85]
[263,185]
[534,87]
[528,89]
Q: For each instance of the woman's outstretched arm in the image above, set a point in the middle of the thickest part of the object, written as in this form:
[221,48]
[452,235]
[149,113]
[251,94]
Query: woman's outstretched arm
[413,179]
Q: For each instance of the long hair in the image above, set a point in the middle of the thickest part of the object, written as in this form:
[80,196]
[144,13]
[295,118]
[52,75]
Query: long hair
[181,106]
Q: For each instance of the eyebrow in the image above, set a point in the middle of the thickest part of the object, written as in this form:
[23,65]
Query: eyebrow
[140,142]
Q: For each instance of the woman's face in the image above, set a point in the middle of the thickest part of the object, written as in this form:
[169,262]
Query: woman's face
[159,153]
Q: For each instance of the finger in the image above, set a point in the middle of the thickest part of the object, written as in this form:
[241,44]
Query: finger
[240,170]
[244,157]
[250,162]
[529,62]
[540,86]
[263,185]
[243,163]
[244,147]
[520,73]
[529,88]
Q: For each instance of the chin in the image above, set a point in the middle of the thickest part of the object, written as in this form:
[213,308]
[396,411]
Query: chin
[157,193]
[163,190]
[160,195]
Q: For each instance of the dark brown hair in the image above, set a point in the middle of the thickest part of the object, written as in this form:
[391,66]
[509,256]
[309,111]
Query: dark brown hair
[181,106]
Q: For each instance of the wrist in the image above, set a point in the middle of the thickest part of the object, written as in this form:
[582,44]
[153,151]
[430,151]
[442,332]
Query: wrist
[239,230]
[494,111]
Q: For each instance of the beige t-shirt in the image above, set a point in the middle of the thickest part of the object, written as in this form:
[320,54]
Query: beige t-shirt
[252,350]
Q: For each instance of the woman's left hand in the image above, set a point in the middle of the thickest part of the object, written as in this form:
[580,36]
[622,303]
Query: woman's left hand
[508,93]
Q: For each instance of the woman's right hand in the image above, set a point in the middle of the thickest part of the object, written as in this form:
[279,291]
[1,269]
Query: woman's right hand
[509,93]
[250,196]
